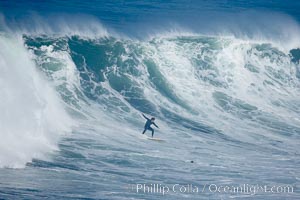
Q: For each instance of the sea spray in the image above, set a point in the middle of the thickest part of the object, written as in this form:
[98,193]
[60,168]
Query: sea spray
[32,117]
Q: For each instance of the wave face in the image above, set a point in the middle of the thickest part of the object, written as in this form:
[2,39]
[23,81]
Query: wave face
[196,77]
[228,104]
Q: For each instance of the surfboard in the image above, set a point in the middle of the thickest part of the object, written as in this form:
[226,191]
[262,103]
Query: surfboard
[156,139]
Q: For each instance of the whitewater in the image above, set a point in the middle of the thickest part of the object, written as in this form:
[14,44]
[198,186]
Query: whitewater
[71,103]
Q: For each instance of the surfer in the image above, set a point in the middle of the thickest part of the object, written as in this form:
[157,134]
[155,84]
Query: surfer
[148,124]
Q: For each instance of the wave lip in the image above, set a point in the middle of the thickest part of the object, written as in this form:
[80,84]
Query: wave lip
[62,25]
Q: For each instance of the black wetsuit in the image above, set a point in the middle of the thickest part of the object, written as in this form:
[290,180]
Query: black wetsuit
[148,125]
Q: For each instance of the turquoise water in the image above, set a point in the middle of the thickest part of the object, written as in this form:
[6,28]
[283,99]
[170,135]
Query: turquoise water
[221,79]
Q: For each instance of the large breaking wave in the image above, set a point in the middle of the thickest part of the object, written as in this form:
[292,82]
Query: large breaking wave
[234,91]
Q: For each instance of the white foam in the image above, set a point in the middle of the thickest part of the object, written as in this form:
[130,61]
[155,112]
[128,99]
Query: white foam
[32,117]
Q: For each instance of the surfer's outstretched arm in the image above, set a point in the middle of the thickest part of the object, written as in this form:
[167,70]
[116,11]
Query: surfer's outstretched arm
[155,125]
[145,117]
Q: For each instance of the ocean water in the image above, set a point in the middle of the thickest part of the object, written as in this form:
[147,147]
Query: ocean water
[222,79]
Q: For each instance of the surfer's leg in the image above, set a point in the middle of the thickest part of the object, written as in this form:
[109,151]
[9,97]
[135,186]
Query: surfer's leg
[151,129]
[144,131]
